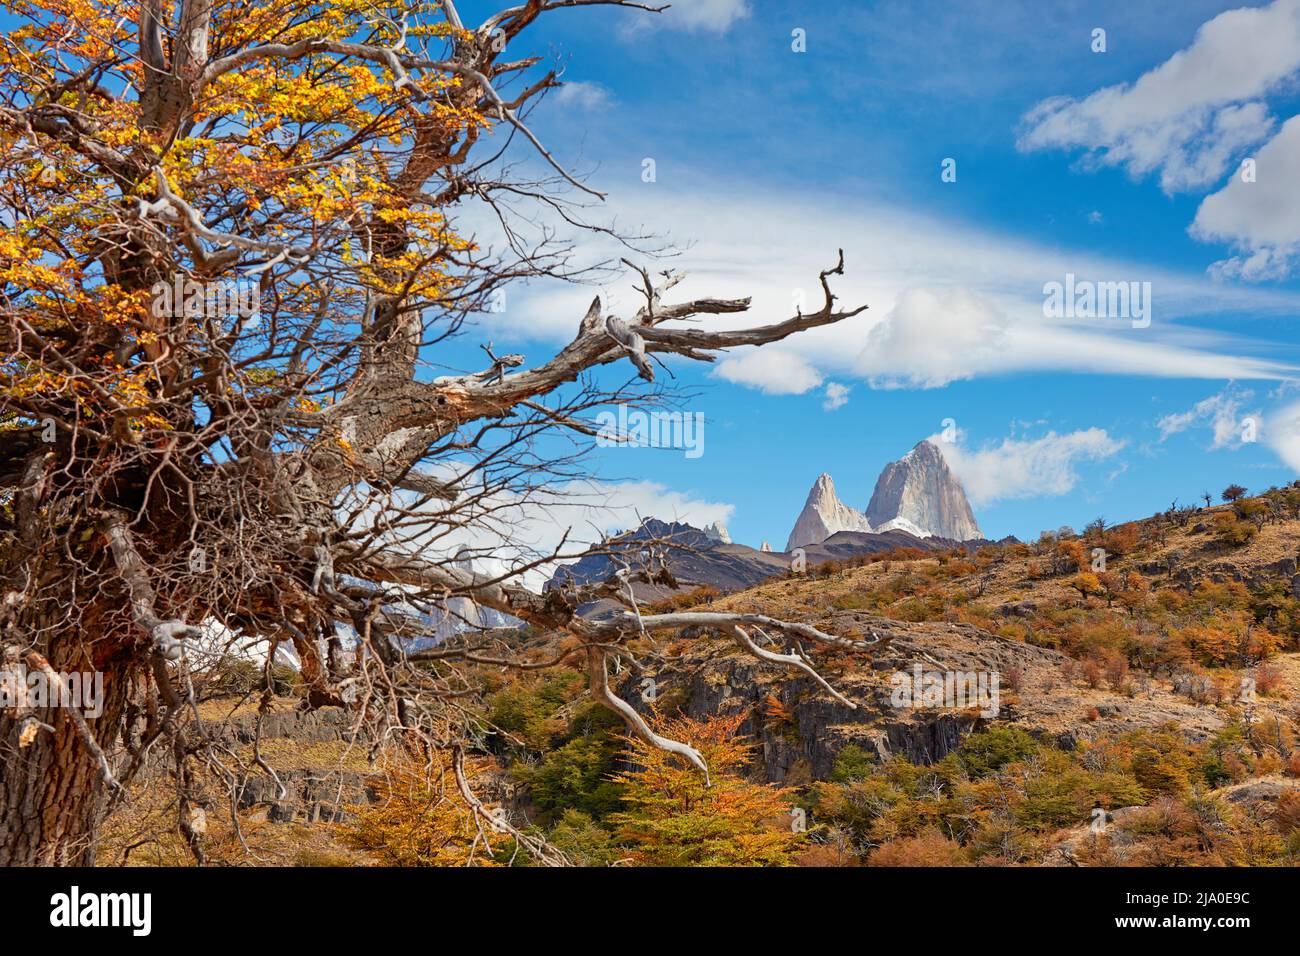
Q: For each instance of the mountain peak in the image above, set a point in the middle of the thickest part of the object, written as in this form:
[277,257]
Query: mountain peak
[823,484]
[824,514]
[718,532]
[919,491]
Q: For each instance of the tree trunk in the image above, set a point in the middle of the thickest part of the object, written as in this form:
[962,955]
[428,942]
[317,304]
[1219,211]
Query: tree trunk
[52,793]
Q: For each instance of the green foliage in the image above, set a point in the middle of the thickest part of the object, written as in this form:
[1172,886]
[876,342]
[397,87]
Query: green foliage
[234,677]
[1233,532]
[1060,793]
[993,749]
[578,775]
[529,710]
[852,763]
[675,818]
[584,841]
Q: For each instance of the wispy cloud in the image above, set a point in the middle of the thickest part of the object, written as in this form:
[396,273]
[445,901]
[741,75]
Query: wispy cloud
[1026,468]
[947,301]
[693,16]
[582,95]
[1283,434]
[837,396]
[1222,414]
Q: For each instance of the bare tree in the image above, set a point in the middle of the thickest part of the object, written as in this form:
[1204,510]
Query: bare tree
[295,471]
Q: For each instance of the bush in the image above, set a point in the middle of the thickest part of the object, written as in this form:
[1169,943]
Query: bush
[421,819]
[929,848]
[673,818]
[1232,532]
[530,710]
[853,763]
[583,840]
[233,676]
[577,776]
[983,753]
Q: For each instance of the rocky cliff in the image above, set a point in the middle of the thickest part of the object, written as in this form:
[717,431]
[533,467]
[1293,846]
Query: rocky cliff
[920,494]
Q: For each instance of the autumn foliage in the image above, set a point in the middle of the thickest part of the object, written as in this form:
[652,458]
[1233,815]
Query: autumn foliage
[676,818]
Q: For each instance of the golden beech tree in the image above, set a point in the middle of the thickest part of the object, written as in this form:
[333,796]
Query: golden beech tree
[230,265]
[424,818]
[677,818]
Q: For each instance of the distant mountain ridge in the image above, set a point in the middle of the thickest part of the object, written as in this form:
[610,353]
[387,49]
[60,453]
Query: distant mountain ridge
[918,503]
[697,558]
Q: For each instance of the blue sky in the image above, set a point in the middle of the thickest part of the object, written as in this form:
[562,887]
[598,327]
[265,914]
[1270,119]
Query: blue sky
[1116,165]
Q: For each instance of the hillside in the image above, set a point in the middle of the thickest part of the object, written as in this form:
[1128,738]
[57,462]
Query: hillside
[1162,690]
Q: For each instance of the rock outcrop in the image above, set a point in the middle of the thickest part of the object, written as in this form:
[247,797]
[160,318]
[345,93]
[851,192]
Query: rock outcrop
[920,494]
[718,532]
[824,514]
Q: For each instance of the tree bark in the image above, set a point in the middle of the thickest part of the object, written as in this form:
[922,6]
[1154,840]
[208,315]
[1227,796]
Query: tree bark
[52,795]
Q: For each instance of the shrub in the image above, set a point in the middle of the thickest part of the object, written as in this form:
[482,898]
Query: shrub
[1232,532]
[673,818]
[577,776]
[929,848]
[530,709]
[583,840]
[235,677]
[852,763]
[421,819]
[992,749]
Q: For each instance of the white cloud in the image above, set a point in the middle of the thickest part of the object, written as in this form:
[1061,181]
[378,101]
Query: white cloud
[1222,413]
[771,369]
[1278,429]
[581,95]
[1190,116]
[1026,468]
[696,15]
[1283,434]
[837,396]
[934,336]
[1260,219]
[947,301]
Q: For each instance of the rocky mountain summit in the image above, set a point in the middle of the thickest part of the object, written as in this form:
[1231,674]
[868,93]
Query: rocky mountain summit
[918,494]
[718,532]
[824,514]
[920,490]
[697,557]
